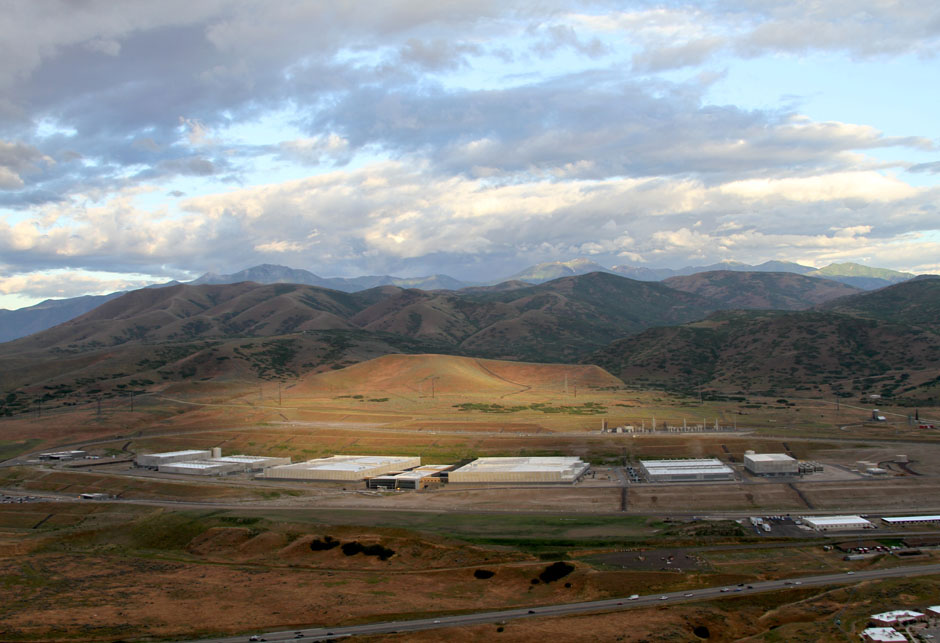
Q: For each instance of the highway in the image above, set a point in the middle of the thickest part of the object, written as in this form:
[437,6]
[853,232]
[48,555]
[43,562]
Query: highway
[607,605]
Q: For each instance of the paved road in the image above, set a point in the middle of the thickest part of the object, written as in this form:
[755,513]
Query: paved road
[668,598]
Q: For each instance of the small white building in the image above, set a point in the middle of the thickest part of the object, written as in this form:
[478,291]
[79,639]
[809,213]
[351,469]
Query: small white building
[343,467]
[837,523]
[154,460]
[883,635]
[898,617]
[934,611]
[771,464]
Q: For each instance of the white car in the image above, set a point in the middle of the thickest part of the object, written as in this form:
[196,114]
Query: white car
[634,597]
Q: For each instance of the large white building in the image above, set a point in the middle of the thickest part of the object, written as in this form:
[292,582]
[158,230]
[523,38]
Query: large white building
[771,464]
[690,470]
[520,470]
[343,467]
[837,523]
[222,465]
[154,460]
[200,468]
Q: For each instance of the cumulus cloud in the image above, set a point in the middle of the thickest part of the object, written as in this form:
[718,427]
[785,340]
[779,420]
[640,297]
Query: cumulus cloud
[441,136]
[17,159]
[67,283]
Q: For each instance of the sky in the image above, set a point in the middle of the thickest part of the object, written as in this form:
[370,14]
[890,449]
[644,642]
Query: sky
[147,141]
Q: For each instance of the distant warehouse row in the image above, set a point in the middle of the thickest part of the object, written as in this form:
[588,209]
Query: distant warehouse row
[404,472]
[396,472]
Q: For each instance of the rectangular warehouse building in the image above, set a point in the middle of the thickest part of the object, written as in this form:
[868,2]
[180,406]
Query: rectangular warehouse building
[201,467]
[252,462]
[343,467]
[154,460]
[837,523]
[692,470]
[913,520]
[520,470]
[771,464]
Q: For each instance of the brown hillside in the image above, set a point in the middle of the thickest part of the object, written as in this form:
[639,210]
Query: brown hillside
[762,290]
[409,373]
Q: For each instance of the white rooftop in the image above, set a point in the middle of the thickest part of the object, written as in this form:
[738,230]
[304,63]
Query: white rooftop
[240,459]
[897,615]
[685,463]
[913,519]
[836,521]
[934,609]
[352,463]
[692,466]
[769,457]
[521,464]
[199,464]
[173,454]
[416,474]
[884,635]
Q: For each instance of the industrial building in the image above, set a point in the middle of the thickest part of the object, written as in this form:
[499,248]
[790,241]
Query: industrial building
[201,467]
[424,476]
[837,523]
[912,520]
[344,467]
[898,617]
[154,460]
[63,455]
[251,462]
[691,470]
[882,635]
[771,464]
[206,462]
[520,470]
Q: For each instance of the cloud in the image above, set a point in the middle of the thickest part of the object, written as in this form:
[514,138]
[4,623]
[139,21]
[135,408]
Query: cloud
[67,283]
[17,159]
[440,136]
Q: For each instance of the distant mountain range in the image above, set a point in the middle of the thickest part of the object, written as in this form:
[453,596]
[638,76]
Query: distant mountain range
[885,342]
[705,331]
[25,321]
[273,274]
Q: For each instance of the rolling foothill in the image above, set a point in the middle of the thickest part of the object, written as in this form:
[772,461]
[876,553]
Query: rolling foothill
[591,453]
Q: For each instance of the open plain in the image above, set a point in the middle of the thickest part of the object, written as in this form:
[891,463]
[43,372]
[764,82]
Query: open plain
[173,556]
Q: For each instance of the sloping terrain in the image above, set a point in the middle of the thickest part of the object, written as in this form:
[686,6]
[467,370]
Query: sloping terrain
[761,290]
[33,319]
[245,330]
[835,353]
[915,302]
[453,374]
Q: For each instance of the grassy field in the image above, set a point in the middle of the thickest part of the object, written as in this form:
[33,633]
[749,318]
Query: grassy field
[159,573]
